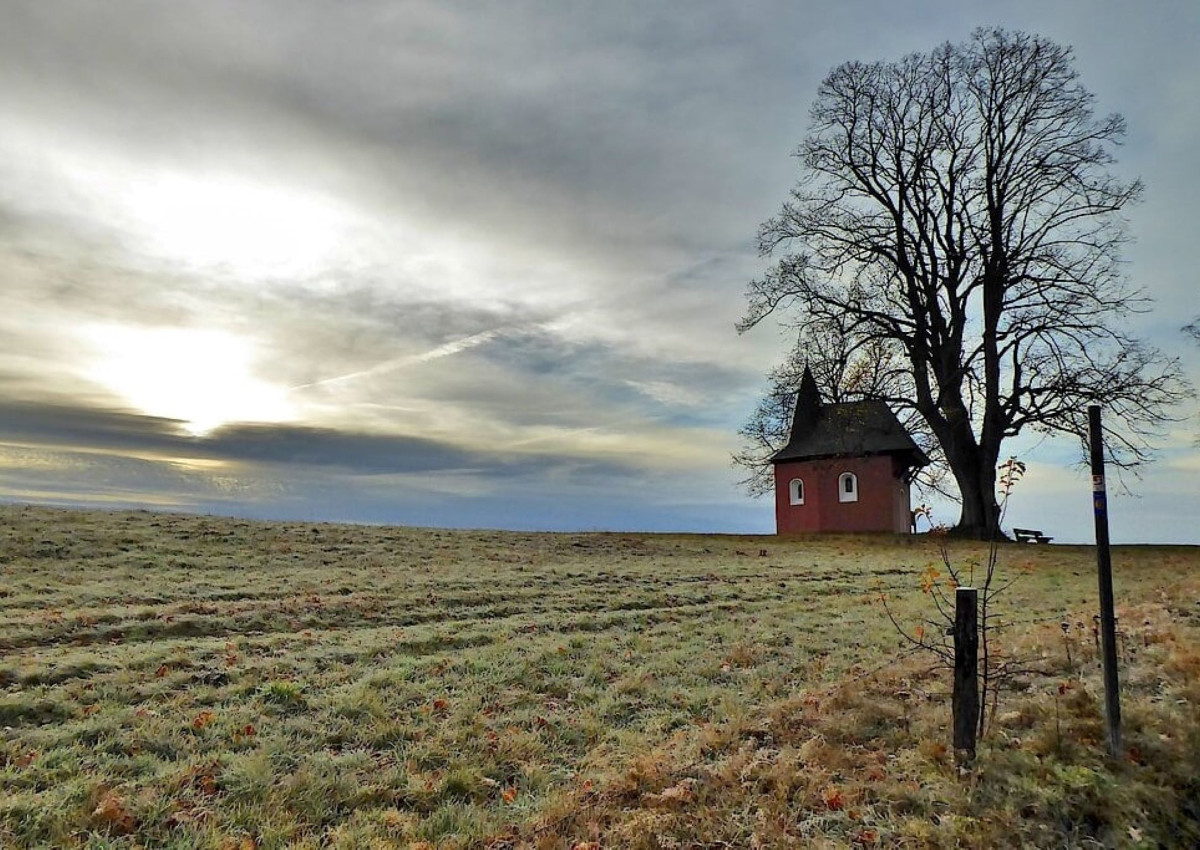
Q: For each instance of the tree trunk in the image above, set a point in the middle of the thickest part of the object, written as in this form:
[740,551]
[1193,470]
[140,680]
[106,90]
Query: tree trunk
[976,479]
[973,467]
[977,519]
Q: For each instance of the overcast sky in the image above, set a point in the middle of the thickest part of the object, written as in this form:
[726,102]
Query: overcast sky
[472,264]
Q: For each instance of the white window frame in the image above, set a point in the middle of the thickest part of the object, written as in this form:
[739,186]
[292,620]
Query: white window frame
[796,491]
[851,494]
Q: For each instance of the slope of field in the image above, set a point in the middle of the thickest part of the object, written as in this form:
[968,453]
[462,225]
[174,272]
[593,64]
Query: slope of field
[201,682]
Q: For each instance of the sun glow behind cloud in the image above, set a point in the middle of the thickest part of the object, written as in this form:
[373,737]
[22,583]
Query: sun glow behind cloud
[204,378]
[256,222]
[233,224]
[245,221]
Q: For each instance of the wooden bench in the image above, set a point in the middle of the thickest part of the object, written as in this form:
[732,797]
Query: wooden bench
[1029,535]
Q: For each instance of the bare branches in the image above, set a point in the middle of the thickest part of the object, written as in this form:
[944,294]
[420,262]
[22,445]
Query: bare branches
[998,668]
[847,366]
[957,210]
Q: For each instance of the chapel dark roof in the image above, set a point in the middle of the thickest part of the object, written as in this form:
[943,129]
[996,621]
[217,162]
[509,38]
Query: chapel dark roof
[848,428]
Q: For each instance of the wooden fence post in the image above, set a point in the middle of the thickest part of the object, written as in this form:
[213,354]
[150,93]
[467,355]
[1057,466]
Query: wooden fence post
[965,699]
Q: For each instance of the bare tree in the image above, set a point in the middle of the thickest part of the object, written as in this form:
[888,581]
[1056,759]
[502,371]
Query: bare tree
[957,216]
[845,370]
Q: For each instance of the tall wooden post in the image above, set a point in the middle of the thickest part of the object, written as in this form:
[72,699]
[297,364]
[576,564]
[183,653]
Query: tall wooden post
[1108,618]
[964,701]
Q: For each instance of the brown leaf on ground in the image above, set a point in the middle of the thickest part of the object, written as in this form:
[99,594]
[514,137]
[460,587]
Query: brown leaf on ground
[111,813]
[834,801]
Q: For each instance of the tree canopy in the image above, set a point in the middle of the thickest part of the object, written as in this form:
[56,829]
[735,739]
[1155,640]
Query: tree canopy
[953,247]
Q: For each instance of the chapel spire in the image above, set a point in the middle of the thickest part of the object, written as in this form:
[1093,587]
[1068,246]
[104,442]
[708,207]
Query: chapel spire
[808,405]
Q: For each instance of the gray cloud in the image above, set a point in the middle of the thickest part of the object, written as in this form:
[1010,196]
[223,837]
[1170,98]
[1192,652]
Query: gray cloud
[575,187]
[71,429]
[68,456]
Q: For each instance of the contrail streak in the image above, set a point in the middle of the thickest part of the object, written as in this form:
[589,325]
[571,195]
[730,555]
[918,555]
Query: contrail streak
[444,350]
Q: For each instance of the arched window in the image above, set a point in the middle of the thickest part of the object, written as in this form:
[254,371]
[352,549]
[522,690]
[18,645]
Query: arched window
[848,487]
[796,491]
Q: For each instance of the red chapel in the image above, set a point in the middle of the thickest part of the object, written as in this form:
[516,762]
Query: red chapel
[846,467]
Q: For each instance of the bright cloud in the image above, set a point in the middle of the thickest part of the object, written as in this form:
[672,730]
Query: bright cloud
[204,378]
[214,222]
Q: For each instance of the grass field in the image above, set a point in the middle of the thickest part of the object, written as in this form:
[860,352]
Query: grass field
[177,681]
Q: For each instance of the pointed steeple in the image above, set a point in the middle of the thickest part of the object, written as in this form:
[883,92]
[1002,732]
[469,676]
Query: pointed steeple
[808,407]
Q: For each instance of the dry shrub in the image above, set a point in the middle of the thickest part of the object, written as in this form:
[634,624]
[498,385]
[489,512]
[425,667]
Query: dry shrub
[1183,662]
[743,654]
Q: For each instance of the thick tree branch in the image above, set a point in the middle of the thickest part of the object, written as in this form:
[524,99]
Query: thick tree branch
[957,218]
